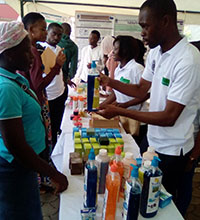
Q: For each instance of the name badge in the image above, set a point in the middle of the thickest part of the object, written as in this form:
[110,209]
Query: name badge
[122,79]
[165,81]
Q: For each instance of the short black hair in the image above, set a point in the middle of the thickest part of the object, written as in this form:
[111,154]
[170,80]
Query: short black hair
[31,18]
[142,51]
[97,33]
[54,24]
[128,47]
[161,8]
[66,28]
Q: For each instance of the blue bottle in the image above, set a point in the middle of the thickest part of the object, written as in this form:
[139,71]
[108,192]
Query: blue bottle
[90,181]
[93,88]
[132,196]
[151,190]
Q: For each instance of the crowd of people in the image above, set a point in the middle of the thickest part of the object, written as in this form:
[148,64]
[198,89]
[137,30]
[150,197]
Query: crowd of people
[33,100]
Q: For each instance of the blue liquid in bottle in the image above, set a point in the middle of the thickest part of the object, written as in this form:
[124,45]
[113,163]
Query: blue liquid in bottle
[90,183]
[151,190]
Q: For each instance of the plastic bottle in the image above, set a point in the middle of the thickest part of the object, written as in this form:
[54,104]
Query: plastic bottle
[127,161]
[75,103]
[151,190]
[120,167]
[145,167]
[93,88]
[90,181]
[103,164]
[149,154]
[111,193]
[132,196]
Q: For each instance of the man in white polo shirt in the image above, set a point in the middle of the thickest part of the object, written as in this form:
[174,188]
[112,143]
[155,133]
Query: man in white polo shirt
[173,73]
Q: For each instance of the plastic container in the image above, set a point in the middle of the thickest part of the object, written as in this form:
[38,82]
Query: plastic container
[151,190]
[103,164]
[90,181]
[145,167]
[93,89]
[80,103]
[127,161]
[149,154]
[111,193]
[75,103]
[132,196]
[120,167]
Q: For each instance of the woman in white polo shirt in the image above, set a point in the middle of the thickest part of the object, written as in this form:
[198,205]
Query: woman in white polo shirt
[126,51]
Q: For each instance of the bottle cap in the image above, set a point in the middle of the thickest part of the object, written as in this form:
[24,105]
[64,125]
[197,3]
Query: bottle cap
[151,149]
[91,154]
[134,171]
[155,161]
[129,155]
[113,168]
[81,98]
[103,152]
[93,64]
[75,98]
[139,162]
[118,150]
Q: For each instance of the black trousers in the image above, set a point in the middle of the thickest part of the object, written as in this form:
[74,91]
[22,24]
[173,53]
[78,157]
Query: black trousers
[57,107]
[176,180]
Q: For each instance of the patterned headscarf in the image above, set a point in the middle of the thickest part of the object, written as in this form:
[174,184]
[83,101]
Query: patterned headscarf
[11,34]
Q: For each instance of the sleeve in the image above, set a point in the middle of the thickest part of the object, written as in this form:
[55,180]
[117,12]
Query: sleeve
[10,102]
[186,81]
[148,71]
[80,68]
[74,61]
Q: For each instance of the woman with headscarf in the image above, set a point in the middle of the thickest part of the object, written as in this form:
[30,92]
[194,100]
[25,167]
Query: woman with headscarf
[22,133]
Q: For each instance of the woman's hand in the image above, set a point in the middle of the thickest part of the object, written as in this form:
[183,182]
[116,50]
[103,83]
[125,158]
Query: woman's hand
[104,80]
[109,111]
[61,58]
[60,182]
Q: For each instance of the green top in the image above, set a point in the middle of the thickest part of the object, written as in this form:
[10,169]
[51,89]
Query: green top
[71,53]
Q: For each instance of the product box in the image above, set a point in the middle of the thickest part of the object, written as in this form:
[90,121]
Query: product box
[165,198]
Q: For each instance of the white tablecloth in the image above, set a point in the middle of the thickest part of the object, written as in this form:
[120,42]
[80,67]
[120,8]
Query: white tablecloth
[71,201]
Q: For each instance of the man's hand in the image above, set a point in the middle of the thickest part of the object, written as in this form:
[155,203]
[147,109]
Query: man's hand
[109,111]
[61,58]
[60,182]
[89,65]
[71,84]
[104,80]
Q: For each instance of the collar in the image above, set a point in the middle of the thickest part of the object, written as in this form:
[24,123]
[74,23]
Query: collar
[15,76]
[65,37]
[176,48]
[129,64]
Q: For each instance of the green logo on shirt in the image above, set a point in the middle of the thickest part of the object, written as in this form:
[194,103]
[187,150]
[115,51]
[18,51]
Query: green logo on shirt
[122,79]
[165,81]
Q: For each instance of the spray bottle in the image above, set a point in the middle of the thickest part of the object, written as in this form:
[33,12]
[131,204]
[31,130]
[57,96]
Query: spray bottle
[90,181]
[93,89]
[151,190]
[132,196]
[111,193]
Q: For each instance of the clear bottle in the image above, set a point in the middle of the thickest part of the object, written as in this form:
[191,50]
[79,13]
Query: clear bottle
[151,190]
[75,103]
[132,196]
[90,181]
[149,154]
[127,161]
[103,164]
[93,88]
[111,193]
[120,167]
[145,167]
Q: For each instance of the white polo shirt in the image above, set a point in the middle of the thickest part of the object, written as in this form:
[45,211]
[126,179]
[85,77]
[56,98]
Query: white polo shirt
[175,76]
[56,87]
[87,56]
[131,74]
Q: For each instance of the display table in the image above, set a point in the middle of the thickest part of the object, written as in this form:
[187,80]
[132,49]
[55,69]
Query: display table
[71,201]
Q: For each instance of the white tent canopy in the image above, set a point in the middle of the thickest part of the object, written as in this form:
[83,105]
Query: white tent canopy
[68,9]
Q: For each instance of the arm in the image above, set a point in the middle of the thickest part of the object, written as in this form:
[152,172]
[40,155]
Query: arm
[13,136]
[135,90]
[134,101]
[167,117]
[109,100]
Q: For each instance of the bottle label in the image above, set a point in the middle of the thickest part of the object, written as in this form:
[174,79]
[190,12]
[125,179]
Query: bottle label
[126,199]
[141,175]
[105,204]
[85,187]
[154,194]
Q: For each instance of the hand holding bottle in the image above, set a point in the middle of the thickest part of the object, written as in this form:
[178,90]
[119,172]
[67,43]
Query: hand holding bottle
[60,182]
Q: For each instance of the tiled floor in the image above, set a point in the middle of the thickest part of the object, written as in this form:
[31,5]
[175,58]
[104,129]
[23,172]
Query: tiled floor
[50,202]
